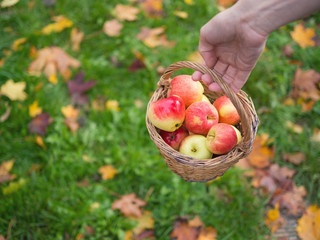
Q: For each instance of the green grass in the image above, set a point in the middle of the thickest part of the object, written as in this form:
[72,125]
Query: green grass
[52,206]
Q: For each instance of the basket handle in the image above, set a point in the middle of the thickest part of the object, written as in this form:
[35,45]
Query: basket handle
[235,98]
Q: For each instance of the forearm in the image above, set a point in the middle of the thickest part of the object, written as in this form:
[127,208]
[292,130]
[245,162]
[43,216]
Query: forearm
[264,16]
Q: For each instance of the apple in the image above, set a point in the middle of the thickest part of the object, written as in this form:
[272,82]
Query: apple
[173,139]
[167,113]
[190,91]
[205,99]
[239,137]
[200,117]
[221,138]
[227,111]
[195,146]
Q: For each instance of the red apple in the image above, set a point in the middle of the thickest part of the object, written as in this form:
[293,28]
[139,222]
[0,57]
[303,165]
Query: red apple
[183,86]
[239,137]
[173,139]
[221,138]
[167,114]
[200,117]
[195,146]
[227,111]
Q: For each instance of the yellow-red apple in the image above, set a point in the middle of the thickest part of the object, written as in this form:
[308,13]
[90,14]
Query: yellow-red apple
[239,137]
[221,138]
[200,117]
[190,91]
[195,146]
[227,111]
[205,98]
[167,114]
[173,139]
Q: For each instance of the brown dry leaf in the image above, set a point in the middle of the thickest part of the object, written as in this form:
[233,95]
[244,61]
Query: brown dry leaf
[107,172]
[305,84]
[5,168]
[112,28]
[71,119]
[196,222]
[129,205]
[153,8]
[182,230]
[154,37]
[287,50]
[208,233]
[303,36]
[14,90]
[309,224]
[61,22]
[261,154]
[295,158]
[53,60]
[124,12]
[274,220]
[76,37]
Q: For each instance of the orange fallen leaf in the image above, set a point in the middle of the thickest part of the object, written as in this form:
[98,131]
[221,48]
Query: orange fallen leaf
[76,37]
[196,222]
[303,36]
[40,142]
[261,154]
[154,37]
[182,231]
[225,3]
[33,52]
[112,28]
[295,158]
[153,8]
[129,205]
[1,62]
[208,233]
[309,224]
[70,112]
[126,13]
[107,172]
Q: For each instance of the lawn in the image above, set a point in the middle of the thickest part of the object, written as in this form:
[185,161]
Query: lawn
[56,187]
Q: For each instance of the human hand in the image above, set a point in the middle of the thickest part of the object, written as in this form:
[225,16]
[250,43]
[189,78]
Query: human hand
[231,47]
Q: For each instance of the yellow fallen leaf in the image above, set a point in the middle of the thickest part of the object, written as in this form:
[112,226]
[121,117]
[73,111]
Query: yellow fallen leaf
[34,109]
[5,168]
[40,142]
[303,36]
[146,221]
[94,206]
[189,2]
[70,112]
[13,186]
[113,105]
[61,22]
[112,28]
[17,43]
[53,78]
[14,90]
[107,172]
[33,52]
[195,57]
[309,224]
[124,12]
[181,14]
[76,37]
[274,219]
[8,3]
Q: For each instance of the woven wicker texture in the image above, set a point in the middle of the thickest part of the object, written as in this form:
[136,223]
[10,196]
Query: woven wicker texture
[202,170]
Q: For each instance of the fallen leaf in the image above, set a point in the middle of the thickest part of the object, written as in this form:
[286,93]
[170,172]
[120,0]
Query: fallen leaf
[13,186]
[126,13]
[53,60]
[107,172]
[94,206]
[154,37]
[139,103]
[48,3]
[99,103]
[153,8]
[83,183]
[40,142]
[79,236]
[8,3]
[261,154]
[34,109]
[39,124]
[1,62]
[129,205]
[72,124]
[33,52]
[145,222]
[303,36]
[182,230]
[5,168]
[113,105]
[70,112]
[309,224]
[287,50]
[136,65]
[89,230]
[78,87]
[195,57]
[14,90]
[181,14]
[294,127]
[316,135]
[189,2]
[295,158]
[6,114]
[112,28]
[76,37]
[61,23]
[17,43]
[208,233]
[225,3]
[35,168]
[196,222]
[274,220]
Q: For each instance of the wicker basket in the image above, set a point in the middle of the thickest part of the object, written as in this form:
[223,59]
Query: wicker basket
[202,170]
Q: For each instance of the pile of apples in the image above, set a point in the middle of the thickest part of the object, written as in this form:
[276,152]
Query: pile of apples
[191,124]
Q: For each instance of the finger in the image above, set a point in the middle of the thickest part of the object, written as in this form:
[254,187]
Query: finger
[221,67]
[240,79]
[209,58]
[196,76]
[206,78]
[214,87]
